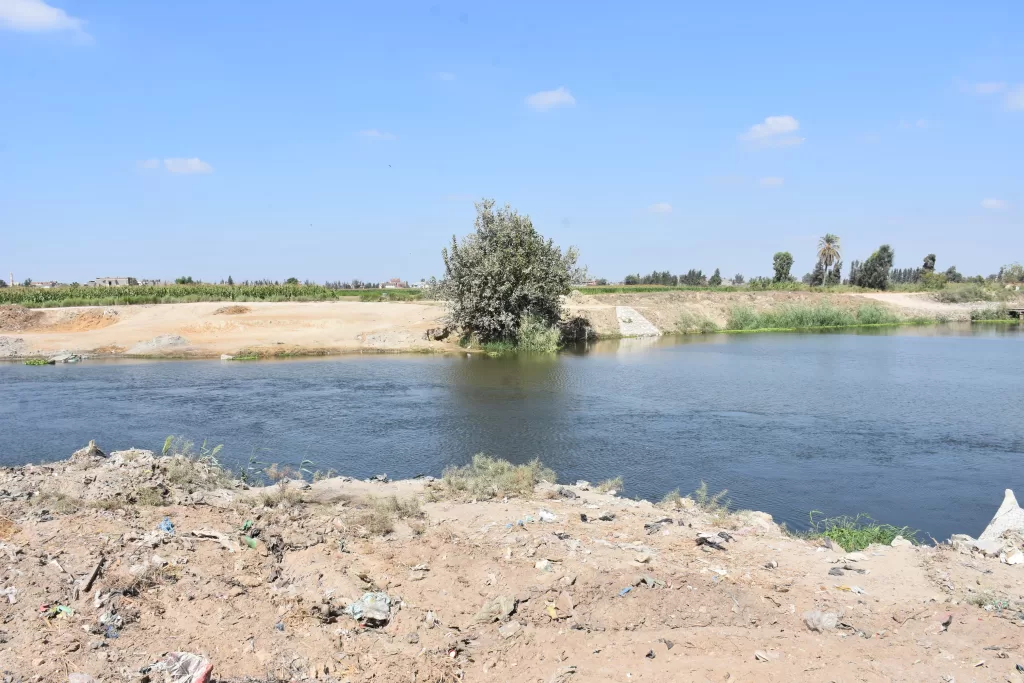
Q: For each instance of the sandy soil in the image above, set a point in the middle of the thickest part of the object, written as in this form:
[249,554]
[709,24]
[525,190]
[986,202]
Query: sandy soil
[617,600]
[265,328]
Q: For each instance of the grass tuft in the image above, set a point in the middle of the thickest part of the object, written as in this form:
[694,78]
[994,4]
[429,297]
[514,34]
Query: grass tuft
[856,533]
[691,323]
[488,477]
[380,518]
[716,504]
[613,484]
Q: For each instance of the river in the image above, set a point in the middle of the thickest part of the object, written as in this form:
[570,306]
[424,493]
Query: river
[916,426]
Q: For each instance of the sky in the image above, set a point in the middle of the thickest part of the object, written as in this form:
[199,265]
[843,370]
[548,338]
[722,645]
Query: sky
[336,140]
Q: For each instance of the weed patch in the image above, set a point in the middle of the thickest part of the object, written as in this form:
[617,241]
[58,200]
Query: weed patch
[856,533]
[608,485]
[487,477]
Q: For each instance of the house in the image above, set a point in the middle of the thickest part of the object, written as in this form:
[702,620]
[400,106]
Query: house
[46,285]
[113,282]
[395,283]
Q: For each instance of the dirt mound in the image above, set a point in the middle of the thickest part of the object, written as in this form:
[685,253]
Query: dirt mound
[83,320]
[14,318]
[11,347]
[232,310]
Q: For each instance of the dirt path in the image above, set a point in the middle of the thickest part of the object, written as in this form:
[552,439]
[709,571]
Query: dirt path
[199,330]
[479,591]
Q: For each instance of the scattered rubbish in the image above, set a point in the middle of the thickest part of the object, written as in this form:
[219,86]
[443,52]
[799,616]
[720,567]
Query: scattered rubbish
[564,604]
[1008,516]
[166,525]
[711,540]
[835,571]
[761,656]
[246,525]
[857,590]
[627,589]
[668,643]
[185,667]
[947,622]
[510,630]
[550,609]
[723,535]
[413,638]
[562,536]
[111,633]
[544,565]
[495,610]
[650,654]
[251,542]
[223,539]
[372,609]
[583,484]
[1020,668]
[1015,558]
[652,528]
[382,478]
[567,493]
[649,581]
[606,517]
[583,517]
[821,621]
[430,619]
[11,593]
[858,570]
[546,516]
[771,564]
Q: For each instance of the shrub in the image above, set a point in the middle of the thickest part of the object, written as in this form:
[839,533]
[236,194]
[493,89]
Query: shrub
[613,484]
[857,533]
[691,323]
[716,504]
[502,274]
[963,294]
[716,279]
[487,477]
[536,335]
[990,313]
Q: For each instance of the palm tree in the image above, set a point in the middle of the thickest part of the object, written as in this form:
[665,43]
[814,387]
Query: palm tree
[828,252]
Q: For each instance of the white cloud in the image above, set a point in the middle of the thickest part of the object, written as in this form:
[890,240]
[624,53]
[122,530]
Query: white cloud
[549,99]
[185,166]
[176,165]
[993,204]
[774,131]
[446,76]
[1015,99]
[660,207]
[35,16]
[989,88]
[374,134]
[771,181]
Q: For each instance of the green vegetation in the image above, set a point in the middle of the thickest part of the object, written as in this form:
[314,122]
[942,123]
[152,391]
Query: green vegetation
[173,294]
[782,262]
[716,504]
[37,361]
[802,316]
[487,477]
[991,314]
[503,276]
[187,465]
[691,323]
[856,533]
[536,335]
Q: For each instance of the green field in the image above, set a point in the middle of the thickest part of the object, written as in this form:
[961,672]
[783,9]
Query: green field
[176,294]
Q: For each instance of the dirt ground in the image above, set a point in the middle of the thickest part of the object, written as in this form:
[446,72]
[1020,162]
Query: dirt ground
[213,329]
[479,590]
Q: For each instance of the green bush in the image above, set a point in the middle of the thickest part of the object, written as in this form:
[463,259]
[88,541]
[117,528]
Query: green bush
[857,533]
[536,335]
[690,323]
[963,294]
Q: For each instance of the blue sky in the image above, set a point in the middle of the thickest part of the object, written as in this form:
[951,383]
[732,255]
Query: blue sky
[332,140]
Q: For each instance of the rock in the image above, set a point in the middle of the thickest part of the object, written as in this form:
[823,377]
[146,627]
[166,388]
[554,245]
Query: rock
[496,609]
[1008,517]
[65,357]
[900,542]
[373,609]
[643,558]
[510,630]
[90,452]
[962,543]
[567,493]
[1015,558]
[821,621]
[544,565]
[412,638]
[989,548]
[564,604]
[835,571]
[856,557]
[583,485]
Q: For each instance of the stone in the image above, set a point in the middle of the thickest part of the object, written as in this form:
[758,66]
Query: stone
[510,630]
[1015,558]
[496,609]
[900,542]
[1008,517]
[564,604]
[545,565]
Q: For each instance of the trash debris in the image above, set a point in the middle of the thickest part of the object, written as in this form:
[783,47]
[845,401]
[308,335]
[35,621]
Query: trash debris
[251,542]
[382,478]
[947,622]
[668,643]
[583,517]
[495,610]
[567,493]
[510,630]
[821,621]
[652,528]
[1015,558]
[649,581]
[185,667]
[544,565]
[166,525]
[771,564]
[372,609]
[11,593]
[761,656]
[711,540]
[546,516]
[835,571]
[650,654]
[606,517]
[223,539]
[1008,516]
[430,619]
[627,589]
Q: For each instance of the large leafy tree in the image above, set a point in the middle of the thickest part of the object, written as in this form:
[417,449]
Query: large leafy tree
[829,253]
[782,262]
[504,273]
[874,272]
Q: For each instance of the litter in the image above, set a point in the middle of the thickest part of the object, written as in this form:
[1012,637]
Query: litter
[652,528]
[279,626]
[544,565]
[185,667]
[166,525]
[821,621]
[12,594]
[606,517]
[583,517]
[835,571]
[382,478]
[567,493]
[627,589]
[546,516]
[649,581]
[249,541]
[373,609]
[711,540]
[510,630]
[650,654]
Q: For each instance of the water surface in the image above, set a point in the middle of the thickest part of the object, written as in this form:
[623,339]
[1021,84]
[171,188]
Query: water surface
[918,426]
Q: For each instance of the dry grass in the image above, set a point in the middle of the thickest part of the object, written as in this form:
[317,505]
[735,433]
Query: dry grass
[57,502]
[487,477]
[608,485]
[716,504]
[282,494]
[186,472]
[232,310]
[379,519]
[7,528]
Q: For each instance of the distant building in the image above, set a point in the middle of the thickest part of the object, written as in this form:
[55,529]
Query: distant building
[112,282]
[395,283]
[46,285]
[151,282]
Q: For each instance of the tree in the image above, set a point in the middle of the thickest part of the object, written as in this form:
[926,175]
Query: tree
[874,273]
[716,279]
[835,276]
[953,276]
[3,283]
[693,278]
[231,282]
[632,279]
[504,273]
[1013,272]
[828,254]
[817,276]
[27,282]
[738,278]
[601,282]
[929,263]
[292,281]
[782,262]
[186,280]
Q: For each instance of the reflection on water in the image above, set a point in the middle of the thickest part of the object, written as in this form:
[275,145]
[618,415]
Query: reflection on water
[919,426]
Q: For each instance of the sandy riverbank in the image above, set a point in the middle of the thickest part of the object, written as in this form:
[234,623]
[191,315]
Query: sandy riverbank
[478,590]
[208,330]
